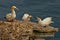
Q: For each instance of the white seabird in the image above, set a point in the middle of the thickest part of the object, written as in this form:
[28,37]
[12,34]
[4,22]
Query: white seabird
[45,22]
[26,17]
[11,16]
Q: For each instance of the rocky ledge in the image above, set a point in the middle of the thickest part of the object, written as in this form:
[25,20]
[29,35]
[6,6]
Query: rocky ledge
[14,30]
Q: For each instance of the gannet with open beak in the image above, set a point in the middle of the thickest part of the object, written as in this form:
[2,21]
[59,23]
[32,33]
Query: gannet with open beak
[26,17]
[45,22]
[11,16]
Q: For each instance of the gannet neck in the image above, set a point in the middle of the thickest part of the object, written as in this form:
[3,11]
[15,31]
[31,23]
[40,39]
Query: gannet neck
[13,11]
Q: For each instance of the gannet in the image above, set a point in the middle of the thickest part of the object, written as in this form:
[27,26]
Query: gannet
[45,22]
[26,17]
[11,16]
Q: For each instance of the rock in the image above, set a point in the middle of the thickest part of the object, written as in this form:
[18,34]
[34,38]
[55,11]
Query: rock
[17,30]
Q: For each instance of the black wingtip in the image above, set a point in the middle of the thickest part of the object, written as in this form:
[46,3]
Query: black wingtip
[5,17]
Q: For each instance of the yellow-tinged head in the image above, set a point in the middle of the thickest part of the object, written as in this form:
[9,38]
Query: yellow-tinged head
[14,7]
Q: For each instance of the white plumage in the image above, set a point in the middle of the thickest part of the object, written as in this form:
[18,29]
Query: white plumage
[11,15]
[26,17]
[45,22]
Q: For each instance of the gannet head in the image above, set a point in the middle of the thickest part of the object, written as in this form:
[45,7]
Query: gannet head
[14,7]
[30,16]
[38,19]
[27,16]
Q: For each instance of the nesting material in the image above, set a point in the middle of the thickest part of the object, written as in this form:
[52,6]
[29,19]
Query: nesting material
[17,29]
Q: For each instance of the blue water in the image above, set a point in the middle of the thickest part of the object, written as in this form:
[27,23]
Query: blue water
[41,8]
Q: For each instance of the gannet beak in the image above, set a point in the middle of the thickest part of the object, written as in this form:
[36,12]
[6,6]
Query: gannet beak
[30,16]
[17,9]
[37,18]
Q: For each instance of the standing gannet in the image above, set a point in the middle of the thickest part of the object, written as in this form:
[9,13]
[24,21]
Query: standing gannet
[11,16]
[26,17]
[45,22]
